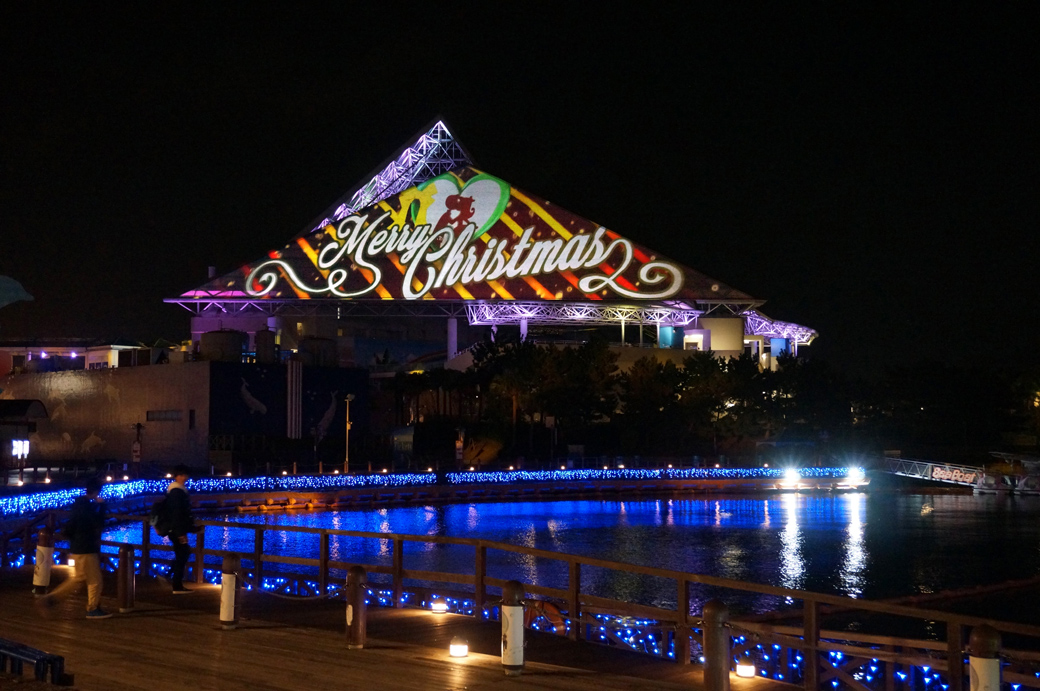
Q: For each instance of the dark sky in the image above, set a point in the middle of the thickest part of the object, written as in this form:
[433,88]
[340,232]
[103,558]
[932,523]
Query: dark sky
[871,175]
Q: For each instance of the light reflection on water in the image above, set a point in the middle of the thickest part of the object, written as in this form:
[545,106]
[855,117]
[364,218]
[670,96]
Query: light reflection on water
[791,567]
[872,546]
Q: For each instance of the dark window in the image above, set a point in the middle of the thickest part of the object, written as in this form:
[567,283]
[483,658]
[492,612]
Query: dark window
[191,419]
[164,416]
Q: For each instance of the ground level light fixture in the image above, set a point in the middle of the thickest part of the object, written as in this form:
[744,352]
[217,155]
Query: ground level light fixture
[459,647]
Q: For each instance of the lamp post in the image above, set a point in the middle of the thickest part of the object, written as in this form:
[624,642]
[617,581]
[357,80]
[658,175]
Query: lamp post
[346,448]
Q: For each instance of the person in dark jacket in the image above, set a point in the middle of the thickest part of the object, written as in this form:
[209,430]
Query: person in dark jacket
[182,523]
[83,531]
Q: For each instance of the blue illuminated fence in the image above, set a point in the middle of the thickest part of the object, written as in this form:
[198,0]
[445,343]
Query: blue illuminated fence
[784,649]
[30,504]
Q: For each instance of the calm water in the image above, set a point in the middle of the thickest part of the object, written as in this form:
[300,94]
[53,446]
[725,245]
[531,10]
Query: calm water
[861,545]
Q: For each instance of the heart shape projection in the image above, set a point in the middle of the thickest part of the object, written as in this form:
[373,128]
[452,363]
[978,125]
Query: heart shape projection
[480,202]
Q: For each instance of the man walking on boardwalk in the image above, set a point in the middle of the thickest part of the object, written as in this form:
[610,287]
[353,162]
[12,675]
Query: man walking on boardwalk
[178,509]
[83,531]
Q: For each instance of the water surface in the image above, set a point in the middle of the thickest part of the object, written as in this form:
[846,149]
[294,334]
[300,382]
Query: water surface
[872,546]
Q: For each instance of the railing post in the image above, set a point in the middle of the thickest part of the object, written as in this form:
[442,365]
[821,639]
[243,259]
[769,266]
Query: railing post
[125,579]
[44,561]
[955,656]
[810,638]
[512,609]
[717,655]
[146,548]
[230,585]
[574,601]
[357,607]
[479,589]
[200,557]
[891,668]
[27,548]
[398,572]
[984,658]
[258,558]
[682,624]
[323,564]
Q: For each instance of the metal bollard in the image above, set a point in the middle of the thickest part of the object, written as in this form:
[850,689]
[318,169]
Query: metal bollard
[984,658]
[44,561]
[357,610]
[513,628]
[717,656]
[125,579]
[230,586]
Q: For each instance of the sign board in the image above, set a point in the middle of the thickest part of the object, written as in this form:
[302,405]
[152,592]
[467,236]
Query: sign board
[947,474]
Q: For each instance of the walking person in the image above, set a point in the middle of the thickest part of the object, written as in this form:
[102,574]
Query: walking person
[178,507]
[83,531]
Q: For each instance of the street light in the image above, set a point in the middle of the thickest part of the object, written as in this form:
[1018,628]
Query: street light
[346,449]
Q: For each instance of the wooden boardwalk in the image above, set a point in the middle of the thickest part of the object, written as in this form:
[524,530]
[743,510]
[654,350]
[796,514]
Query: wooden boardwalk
[170,642]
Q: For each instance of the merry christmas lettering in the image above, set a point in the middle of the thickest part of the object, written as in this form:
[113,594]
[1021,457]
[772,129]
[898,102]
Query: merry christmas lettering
[446,257]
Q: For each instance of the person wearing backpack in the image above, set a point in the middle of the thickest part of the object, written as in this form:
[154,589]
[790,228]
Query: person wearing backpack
[178,516]
[83,531]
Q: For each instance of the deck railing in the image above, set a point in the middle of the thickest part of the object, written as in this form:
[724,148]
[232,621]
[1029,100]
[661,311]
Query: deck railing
[797,647]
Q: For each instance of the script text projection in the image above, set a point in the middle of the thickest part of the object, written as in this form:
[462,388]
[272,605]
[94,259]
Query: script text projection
[464,231]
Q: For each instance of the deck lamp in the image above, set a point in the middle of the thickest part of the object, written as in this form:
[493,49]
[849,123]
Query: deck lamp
[745,669]
[71,561]
[439,607]
[459,647]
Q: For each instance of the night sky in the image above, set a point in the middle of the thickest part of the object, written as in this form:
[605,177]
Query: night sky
[873,176]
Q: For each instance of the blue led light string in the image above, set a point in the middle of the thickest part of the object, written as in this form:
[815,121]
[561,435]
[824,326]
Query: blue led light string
[28,504]
[513,476]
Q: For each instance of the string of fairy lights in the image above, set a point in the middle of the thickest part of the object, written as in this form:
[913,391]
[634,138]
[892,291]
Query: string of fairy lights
[36,502]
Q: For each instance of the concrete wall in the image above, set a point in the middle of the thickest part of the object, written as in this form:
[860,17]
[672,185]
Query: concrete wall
[92,412]
[727,334]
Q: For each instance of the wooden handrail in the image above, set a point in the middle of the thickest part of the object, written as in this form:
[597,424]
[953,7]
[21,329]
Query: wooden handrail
[815,643]
[572,594]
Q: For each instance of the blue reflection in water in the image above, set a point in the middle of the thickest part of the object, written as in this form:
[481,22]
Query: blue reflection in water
[860,545]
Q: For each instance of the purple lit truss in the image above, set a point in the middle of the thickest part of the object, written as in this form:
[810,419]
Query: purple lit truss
[434,153]
[588,313]
[757,324]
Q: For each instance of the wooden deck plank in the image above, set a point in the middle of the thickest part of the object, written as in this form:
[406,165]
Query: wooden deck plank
[170,642]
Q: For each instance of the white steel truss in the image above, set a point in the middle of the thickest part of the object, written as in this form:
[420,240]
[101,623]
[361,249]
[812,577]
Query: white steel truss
[757,324]
[434,153]
[324,308]
[575,313]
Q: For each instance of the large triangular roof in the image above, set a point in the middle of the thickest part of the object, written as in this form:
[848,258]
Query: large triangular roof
[472,217]
[429,231]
